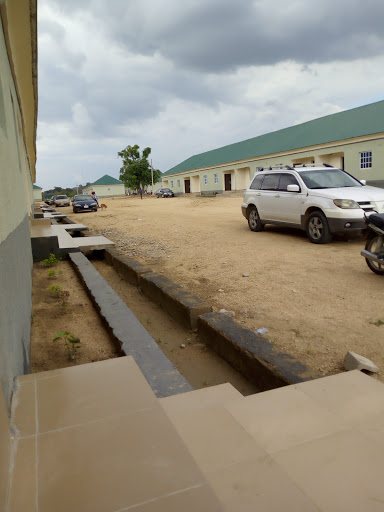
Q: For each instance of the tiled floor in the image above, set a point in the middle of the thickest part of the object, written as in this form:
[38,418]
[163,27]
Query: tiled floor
[95,438]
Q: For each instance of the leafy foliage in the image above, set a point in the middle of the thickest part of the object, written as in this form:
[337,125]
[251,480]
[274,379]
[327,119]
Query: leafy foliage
[136,169]
[51,261]
[71,342]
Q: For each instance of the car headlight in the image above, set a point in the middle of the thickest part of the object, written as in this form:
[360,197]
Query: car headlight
[349,204]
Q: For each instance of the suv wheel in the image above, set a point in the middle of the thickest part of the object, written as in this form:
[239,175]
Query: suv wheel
[317,228]
[254,221]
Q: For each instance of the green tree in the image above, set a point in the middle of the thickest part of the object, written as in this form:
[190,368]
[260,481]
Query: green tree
[136,169]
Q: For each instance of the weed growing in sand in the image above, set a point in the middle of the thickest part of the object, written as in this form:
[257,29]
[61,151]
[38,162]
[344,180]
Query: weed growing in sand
[51,261]
[53,273]
[71,342]
[61,295]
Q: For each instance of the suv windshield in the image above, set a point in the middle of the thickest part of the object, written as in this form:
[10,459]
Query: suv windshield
[328,178]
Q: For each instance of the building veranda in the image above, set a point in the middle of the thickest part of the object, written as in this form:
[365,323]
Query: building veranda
[352,140]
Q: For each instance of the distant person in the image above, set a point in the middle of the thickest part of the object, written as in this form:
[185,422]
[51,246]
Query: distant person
[94,196]
[141,193]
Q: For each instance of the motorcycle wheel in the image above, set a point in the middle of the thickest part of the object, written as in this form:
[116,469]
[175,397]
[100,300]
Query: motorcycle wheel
[375,245]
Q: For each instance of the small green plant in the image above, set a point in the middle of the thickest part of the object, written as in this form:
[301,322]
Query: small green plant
[51,261]
[55,289]
[52,273]
[61,295]
[71,342]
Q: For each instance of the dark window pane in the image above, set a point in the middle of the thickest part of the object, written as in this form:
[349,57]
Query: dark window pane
[285,180]
[270,182]
[256,183]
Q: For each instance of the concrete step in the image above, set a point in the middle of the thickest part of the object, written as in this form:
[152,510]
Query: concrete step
[94,438]
[313,446]
[193,400]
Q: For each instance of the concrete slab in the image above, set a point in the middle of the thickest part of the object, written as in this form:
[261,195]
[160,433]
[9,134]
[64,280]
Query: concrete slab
[253,356]
[128,267]
[130,335]
[179,303]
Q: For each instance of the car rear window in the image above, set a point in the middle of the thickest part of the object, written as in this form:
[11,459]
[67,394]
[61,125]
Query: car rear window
[61,197]
[270,182]
[257,181]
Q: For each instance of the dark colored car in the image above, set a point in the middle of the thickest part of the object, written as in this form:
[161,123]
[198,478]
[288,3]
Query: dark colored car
[84,203]
[165,192]
[51,200]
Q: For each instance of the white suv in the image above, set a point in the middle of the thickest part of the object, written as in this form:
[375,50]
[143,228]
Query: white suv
[320,200]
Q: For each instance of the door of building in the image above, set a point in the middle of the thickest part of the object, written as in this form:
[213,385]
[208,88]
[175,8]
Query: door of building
[227,181]
[187,186]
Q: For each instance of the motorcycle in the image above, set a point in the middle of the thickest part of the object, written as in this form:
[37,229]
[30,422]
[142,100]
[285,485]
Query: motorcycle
[374,247]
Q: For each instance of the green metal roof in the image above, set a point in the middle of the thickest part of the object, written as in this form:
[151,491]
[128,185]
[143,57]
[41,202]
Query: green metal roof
[107,180]
[36,187]
[365,120]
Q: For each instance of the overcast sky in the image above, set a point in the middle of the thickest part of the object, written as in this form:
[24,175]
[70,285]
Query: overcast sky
[187,76]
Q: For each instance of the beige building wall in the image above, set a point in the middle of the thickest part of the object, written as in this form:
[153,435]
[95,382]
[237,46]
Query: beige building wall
[18,117]
[106,190]
[37,194]
[343,154]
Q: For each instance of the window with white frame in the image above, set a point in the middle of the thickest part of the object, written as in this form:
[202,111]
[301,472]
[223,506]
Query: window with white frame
[205,179]
[365,159]
[216,178]
[178,183]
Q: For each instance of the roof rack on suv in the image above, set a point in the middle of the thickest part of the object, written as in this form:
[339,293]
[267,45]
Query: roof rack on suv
[277,167]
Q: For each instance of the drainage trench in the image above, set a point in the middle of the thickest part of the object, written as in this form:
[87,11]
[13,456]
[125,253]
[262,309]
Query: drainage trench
[199,365]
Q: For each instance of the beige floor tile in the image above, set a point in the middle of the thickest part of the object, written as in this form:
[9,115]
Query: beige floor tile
[193,400]
[91,392]
[259,485]
[200,499]
[373,429]
[284,417]
[5,447]
[214,438]
[350,395]
[113,464]
[23,488]
[23,409]
[26,378]
[341,472]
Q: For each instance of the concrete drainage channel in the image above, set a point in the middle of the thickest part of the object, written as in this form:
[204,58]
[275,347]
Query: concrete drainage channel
[251,355]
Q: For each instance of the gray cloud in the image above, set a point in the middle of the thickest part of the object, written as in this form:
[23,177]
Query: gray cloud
[222,35]
[185,77]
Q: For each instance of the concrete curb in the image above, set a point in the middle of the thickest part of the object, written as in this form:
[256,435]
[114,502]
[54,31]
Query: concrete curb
[253,356]
[177,302]
[128,267]
[132,338]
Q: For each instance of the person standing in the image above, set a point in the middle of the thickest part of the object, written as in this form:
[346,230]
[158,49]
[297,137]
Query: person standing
[141,193]
[94,196]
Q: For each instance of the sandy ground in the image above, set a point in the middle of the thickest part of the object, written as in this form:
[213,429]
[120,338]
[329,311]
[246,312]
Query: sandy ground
[317,301]
[200,366]
[78,317]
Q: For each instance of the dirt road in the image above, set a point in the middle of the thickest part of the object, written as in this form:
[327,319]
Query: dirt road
[317,301]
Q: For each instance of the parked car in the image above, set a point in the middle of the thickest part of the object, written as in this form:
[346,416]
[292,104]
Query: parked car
[165,192]
[51,200]
[62,201]
[84,203]
[320,200]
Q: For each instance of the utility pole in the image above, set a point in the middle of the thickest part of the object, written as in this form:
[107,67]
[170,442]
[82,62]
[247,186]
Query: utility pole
[152,176]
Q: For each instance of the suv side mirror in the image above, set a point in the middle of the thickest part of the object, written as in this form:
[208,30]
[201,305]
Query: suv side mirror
[363,182]
[293,188]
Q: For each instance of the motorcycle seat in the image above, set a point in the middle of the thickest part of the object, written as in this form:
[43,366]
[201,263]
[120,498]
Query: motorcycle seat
[377,219]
